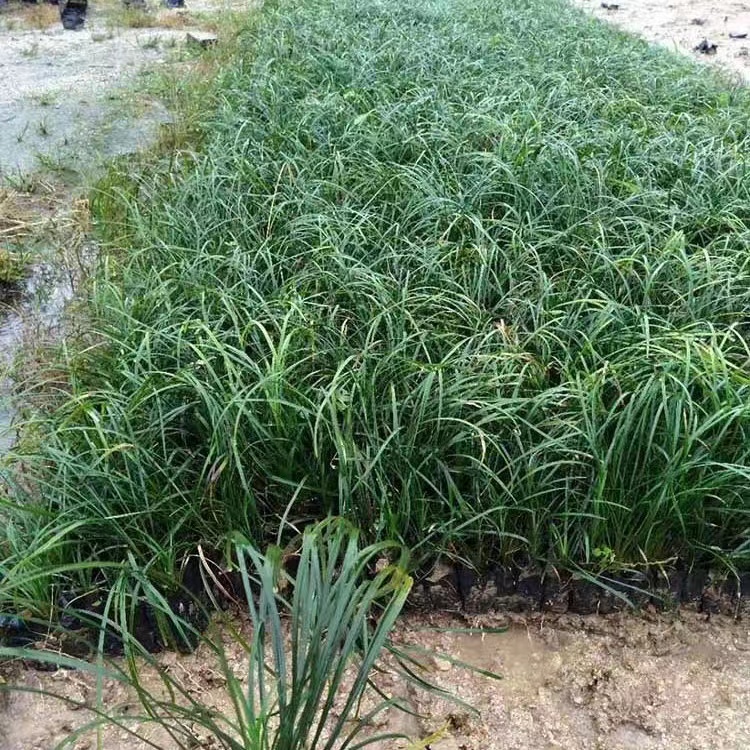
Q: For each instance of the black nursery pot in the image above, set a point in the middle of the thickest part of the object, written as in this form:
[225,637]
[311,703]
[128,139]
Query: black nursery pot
[634,585]
[696,580]
[16,632]
[530,587]
[585,596]
[555,591]
[668,587]
[505,579]
[608,592]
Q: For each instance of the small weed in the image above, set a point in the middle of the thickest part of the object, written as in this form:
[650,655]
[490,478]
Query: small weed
[313,640]
[134,18]
[16,225]
[150,42]
[22,133]
[42,128]
[32,50]
[180,19]
[25,182]
[41,15]
[12,266]
[45,99]
[52,163]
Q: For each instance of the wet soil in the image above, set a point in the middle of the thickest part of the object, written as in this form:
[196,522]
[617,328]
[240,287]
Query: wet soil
[70,102]
[616,682]
[683,25]
[590,683]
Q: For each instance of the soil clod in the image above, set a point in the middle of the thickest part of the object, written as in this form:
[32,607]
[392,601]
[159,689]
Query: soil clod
[706,47]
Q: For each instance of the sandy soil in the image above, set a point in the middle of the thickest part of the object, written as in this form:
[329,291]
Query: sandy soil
[69,98]
[579,683]
[62,102]
[683,24]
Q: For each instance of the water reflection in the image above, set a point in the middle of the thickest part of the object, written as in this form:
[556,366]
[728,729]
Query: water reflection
[27,313]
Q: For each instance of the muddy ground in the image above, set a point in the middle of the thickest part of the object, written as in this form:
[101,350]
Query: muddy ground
[69,102]
[682,25]
[619,682]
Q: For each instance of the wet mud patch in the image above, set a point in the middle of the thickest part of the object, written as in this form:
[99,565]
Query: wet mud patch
[615,682]
[612,682]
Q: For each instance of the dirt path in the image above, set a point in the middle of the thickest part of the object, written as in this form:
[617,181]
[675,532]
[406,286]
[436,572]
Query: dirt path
[63,101]
[683,24]
[580,683]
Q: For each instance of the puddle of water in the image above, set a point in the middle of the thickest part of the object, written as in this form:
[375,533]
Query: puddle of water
[38,307]
[522,661]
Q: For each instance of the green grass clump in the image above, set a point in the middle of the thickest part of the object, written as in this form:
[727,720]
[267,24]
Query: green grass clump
[12,266]
[294,675]
[472,274]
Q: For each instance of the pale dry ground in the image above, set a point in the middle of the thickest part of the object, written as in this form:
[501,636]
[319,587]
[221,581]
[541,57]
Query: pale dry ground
[64,101]
[580,683]
[681,25]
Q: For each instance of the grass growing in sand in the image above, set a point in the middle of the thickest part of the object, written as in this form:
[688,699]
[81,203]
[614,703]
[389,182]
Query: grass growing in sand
[296,674]
[474,275]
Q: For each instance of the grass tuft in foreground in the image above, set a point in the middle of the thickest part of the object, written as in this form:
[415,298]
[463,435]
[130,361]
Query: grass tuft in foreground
[294,675]
[473,274]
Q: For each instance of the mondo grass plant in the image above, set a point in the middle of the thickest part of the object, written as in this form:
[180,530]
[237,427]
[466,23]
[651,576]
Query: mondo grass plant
[294,675]
[474,275]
